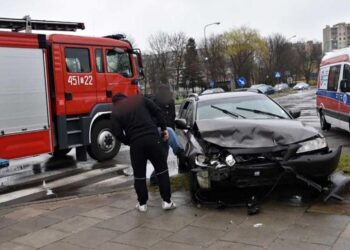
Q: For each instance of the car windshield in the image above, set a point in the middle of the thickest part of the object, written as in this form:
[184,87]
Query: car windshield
[242,106]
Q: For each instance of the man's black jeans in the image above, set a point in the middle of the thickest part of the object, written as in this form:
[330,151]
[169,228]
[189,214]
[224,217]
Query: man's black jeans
[150,147]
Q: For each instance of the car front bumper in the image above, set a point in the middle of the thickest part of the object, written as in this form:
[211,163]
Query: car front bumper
[316,167]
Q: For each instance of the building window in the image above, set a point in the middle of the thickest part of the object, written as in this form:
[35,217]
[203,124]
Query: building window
[77,60]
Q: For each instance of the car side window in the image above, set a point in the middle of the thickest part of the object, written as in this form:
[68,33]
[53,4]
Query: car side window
[346,72]
[333,78]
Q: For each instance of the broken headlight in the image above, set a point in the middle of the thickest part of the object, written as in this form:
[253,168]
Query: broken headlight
[201,161]
[230,160]
[312,145]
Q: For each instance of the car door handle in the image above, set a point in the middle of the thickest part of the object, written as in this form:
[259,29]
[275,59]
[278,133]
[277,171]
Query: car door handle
[68,96]
[109,93]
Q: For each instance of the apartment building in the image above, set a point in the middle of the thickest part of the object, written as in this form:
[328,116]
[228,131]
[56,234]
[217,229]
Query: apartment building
[336,37]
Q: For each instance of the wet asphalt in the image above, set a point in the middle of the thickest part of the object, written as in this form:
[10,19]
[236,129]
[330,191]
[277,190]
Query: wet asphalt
[25,173]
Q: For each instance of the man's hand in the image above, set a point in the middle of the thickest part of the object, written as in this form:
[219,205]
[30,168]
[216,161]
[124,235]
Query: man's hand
[165,135]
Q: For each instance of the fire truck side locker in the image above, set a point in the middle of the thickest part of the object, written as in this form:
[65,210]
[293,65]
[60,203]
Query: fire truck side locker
[25,123]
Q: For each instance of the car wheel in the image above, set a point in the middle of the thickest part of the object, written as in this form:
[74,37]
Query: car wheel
[60,153]
[104,145]
[324,124]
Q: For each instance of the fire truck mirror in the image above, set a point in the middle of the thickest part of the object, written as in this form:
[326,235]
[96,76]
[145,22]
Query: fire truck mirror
[141,74]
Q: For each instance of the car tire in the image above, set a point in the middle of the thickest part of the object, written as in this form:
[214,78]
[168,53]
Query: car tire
[60,153]
[324,124]
[104,145]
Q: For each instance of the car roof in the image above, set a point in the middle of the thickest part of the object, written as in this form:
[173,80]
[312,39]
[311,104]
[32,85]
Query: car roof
[215,96]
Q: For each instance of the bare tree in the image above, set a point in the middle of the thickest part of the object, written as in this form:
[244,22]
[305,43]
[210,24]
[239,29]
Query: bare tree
[216,61]
[160,48]
[279,56]
[310,55]
[177,42]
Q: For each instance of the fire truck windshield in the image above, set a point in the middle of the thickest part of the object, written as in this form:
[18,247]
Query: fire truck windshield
[119,62]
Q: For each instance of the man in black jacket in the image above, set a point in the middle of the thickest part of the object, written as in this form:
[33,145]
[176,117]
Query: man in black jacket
[132,124]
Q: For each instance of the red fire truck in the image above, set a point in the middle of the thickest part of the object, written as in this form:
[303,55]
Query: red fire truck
[56,90]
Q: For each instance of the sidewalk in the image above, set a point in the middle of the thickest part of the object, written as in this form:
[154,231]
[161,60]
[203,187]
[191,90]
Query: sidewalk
[109,221]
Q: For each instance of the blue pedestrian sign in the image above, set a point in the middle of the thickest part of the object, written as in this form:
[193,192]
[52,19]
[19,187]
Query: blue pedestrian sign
[277,75]
[241,82]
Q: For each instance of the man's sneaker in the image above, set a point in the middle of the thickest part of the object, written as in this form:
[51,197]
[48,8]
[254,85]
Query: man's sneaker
[168,206]
[141,208]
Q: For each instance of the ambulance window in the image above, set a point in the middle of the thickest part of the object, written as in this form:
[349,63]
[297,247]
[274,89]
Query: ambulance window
[99,60]
[119,62]
[346,74]
[333,78]
[77,60]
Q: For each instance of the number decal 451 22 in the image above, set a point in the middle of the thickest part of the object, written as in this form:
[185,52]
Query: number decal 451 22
[80,80]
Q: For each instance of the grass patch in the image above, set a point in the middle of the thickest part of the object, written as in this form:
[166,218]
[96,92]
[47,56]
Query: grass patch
[344,163]
[177,182]
[179,101]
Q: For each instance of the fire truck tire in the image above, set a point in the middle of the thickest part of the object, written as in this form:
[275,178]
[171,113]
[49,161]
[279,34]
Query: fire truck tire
[104,145]
[59,153]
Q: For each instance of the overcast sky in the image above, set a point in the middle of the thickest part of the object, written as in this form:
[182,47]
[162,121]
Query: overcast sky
[141,18]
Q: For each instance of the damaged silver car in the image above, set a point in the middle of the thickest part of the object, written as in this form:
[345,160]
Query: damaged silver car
[245,139]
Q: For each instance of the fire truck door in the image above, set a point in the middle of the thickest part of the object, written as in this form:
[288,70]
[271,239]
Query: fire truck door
[79,80]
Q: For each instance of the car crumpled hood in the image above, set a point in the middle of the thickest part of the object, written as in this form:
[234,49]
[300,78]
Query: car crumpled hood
[244,133]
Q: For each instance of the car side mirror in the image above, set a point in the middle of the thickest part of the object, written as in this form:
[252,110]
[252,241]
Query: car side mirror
[181,124]
[295,113]
[345,85]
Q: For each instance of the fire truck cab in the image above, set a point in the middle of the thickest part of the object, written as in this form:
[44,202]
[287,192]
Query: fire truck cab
[333,99]
[56,90]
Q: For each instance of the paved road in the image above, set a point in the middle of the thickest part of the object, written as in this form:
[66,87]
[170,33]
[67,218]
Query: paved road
[68,177]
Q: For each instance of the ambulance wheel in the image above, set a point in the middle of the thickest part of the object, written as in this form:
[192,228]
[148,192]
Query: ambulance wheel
[59,153]
[324,124]
[104,145]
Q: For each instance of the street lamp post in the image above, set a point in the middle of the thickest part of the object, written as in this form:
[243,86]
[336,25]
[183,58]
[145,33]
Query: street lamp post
[205,45]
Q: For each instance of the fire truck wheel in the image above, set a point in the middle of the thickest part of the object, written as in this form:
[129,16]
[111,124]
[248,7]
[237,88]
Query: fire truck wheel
[59,153]
[104,145]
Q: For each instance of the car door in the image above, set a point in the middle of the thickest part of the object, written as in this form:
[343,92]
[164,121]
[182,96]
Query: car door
[185,112]
[79,80]
[343,102]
